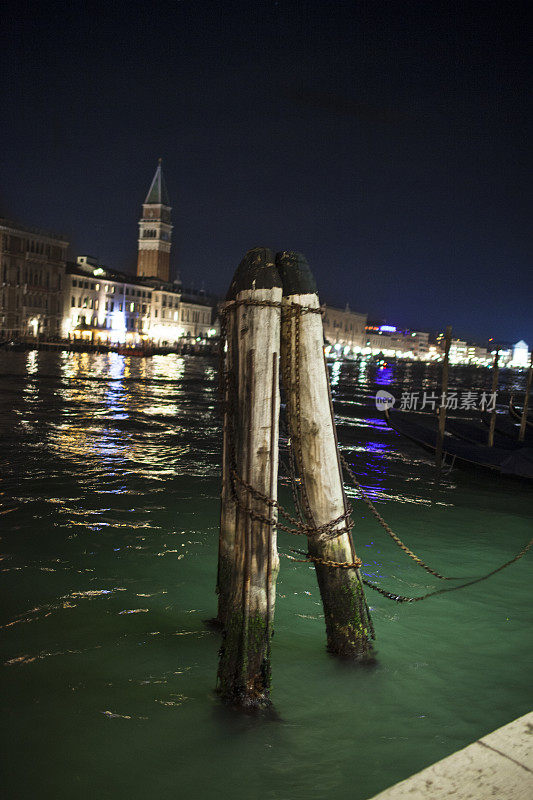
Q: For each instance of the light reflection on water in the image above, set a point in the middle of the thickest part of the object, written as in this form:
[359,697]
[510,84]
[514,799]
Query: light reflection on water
[109,564]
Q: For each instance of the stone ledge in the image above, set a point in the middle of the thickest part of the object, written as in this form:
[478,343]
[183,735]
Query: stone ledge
[498,766]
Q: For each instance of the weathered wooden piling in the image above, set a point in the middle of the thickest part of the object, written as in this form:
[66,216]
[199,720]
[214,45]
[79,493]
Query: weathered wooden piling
[442,409]
[228,503]
[248,559]
[523,421]
[494,388]
[314,443]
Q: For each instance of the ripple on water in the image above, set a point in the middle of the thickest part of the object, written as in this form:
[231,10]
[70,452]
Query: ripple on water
[109,570]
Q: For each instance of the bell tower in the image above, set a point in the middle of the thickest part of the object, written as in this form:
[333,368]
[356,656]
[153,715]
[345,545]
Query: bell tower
[155,231]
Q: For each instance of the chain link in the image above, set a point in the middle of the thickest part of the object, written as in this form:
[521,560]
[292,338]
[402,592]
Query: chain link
[398,598]
[326,531]
[230,305]
[325,561]
[329,529]
[301,528]
[387,527]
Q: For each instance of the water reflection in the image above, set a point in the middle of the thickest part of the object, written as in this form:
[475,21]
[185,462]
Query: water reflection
[335,373]
[111,416]
[110,565]
[384,376]
[143,415]
[32,362]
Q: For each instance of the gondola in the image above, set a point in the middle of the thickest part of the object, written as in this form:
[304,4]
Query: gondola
[422,429]
[517,415]
[507,427]
[473,431]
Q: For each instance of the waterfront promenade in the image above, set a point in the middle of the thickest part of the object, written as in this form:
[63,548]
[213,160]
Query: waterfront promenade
[499,765]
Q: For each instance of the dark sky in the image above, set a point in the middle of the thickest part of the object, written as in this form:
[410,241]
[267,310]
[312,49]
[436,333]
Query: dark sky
[389,142]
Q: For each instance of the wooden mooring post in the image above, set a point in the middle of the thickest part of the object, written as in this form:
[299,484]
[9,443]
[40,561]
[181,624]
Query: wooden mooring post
[494,389]
[523,421]
[442,409]
[248,558]
[228,503]
[314,443]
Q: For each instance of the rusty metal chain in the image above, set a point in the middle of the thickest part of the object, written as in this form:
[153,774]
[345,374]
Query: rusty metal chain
[401,598]
[230,305]
[328,530]
[301,528]
[398,598]
[325,561]
[387,527]
[294,313]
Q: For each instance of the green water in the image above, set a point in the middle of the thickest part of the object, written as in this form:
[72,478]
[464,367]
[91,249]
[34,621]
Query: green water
[108,571]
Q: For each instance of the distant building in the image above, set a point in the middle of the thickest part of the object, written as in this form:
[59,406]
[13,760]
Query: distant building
[105,306]
[520,354]
[393,343]
[32,270]
[102,305]
[344,329]
[155,231]
[463,353]
[505,358]
[458,351]
[478,355]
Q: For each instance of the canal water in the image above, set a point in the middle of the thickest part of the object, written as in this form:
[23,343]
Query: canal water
[112,465]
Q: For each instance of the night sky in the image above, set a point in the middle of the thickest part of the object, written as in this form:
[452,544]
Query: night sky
[389,142]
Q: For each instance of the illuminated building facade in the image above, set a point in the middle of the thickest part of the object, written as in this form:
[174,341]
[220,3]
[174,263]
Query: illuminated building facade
[344,329]
[463,353]
[521,357]
[177,315]
[103,306]
[155,231]
[391,342]
[32,271]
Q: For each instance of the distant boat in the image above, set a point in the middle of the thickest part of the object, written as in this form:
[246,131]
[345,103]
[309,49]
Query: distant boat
[422,429]
[133,351]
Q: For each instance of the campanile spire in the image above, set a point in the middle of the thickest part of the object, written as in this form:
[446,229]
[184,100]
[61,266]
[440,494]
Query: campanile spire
[155,231]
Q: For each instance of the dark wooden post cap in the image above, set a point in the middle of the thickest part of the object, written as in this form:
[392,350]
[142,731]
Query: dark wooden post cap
[257,270]
[296,275]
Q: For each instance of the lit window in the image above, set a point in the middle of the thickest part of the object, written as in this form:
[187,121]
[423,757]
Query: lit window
[132,306]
